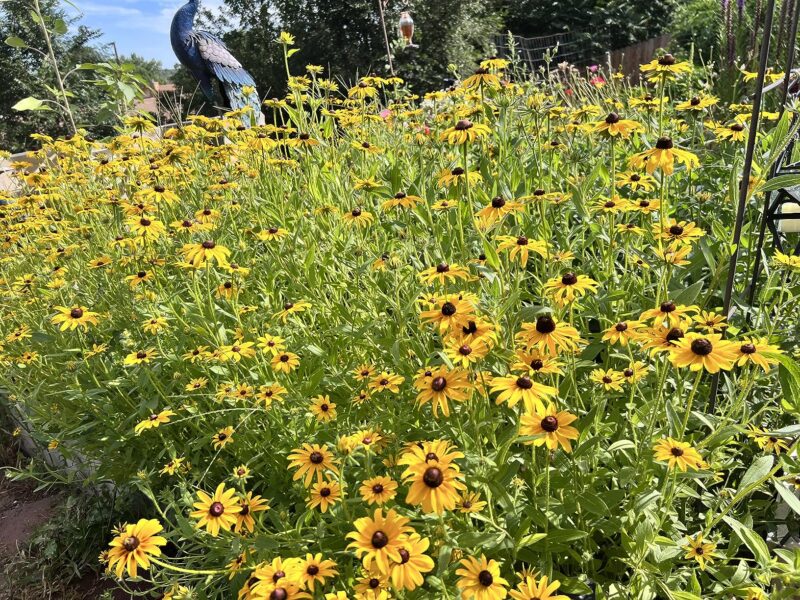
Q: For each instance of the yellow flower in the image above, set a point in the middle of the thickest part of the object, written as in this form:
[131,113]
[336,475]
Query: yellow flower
[311,460]
[609,379]
[480,579]
[286,38]
[514,388]
[216,512]
[408,573]
[153,421]
[378,490]
[323,409]
[678,454]
[433,485]
[551,428]
[200,254]
[756,351]
[324,494]
[463,132]
[666,66]
[140,357]
[377,539]
[569,287]
[440,385]
[531,589]
[519,247]
[702,552]
[614,126]
[73,317]
[703,351]
[285,362]
[133,547]
[663,157]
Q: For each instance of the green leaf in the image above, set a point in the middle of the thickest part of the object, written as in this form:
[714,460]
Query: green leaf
[15,42]
[689,295]
[59,26]
[684,596]
[30,103]
[781,181]
[757,471]
[292,52]
[787,495]
[531,539]
[752,540]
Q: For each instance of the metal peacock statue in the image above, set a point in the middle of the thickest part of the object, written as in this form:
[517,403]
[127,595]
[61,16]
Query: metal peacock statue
[207,58]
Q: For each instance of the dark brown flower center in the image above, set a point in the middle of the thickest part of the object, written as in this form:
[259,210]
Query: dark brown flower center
[278,594]
[141,274]
[747,348]
[737,127]
[400,195]
[545,324]
[664,143]
[635,177]
[498,202]
[404,556]
[667,60]
[76,313]
[431,456]
[522,241]
[325,492]
[448,309]
[366,145]
[667,307]
[433,477]
[374,583]
[549,423]
[702,347]
[379,540]
[612,118]
[209,245]
[676,451]
[524,382]
[628,372]
[694,101]
[377,488]
[438,384]
[607,379]
[674,334]
[140,355]
[216,509]
[130,543]
[569,279]
[312,570]
[465,350]
[676,230]
[316,457]
[356,212]
[485,578]
[457,171]
[442,268]
[537,364]
[621,326]
[463,125]
[145,222]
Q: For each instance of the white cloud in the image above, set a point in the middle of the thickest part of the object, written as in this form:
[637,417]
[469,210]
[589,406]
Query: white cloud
[89,8]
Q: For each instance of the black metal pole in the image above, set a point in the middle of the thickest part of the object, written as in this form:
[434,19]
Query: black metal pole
[787,73]
[767,198]
[744,184]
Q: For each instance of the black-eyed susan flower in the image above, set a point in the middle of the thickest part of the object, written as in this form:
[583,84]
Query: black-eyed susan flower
[703,351]
[314,569]
[464,132]
[550,427]
[134,546]
[697,103]
[481,77]
[709,321]
[668,313]
[377,539]
[217,511]
[531,588]
[241,473]
[401,200]
[636,181]
[701,551]
[223,437]
[534,362]
[323,409]
[311,460]
[569,287]
[470,502]
[480,579]
[358,217]
[549,336]
[363,372]
[622,332]
[520,247]
[757,351]
[441,385]
[236,352]
[146,228]
[204,252]
[285,362]
[155,324]
[678,454]
[667,66]
[372,585]
[444,273]
[386,381]
[378,490]
[248,506]
[496,210]
[767,442]
[139,277]
[463,353]
[449,312]
[454,176]
[678,232]
[153,421]
[70,318]
[140,357]
[272,233]
[433,485]
[323,495]
[513,388]
[272,344]
[609,379]
[292,308]
[268,393]
[407,574]
[615,126]
[663,156]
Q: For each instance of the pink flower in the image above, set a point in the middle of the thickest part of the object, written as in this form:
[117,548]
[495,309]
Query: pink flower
[593,68]
[597,81]
[385,113]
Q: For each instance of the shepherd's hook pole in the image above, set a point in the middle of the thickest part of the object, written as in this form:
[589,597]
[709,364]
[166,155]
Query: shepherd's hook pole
[744,184]
[386,37]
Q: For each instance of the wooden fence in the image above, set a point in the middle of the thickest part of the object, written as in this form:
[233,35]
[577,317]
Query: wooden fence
[628,59]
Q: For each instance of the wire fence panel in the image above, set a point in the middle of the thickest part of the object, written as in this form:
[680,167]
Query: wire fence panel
[571,47]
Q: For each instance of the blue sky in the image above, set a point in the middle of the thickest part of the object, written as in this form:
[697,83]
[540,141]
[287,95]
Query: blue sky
[140,26]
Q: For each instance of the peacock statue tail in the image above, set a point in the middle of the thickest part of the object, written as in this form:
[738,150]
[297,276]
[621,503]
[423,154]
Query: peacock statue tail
[208,59]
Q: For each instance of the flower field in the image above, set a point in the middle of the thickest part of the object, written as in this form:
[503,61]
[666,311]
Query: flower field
[459,346]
